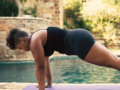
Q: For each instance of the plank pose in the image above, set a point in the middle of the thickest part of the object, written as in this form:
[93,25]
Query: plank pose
[42,44]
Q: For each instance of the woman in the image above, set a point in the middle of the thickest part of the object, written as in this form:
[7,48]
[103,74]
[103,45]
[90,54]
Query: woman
[43,43]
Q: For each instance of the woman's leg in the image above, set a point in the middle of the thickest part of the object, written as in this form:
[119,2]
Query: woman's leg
[100,55]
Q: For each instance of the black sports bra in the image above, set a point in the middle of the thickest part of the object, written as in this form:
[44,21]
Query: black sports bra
[55,40]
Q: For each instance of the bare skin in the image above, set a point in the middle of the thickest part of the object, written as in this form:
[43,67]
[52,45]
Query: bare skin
[101,56]
[48,73]
[42,66]
[98,55]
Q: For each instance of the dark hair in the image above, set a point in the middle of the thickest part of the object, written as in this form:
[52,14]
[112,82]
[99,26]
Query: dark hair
[13,37]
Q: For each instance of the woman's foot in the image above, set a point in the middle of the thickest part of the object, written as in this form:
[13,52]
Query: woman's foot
[46,86]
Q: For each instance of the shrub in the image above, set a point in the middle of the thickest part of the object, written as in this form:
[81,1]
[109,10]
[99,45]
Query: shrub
[31,11]
[8,8]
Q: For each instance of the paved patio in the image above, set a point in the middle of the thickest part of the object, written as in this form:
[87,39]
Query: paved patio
[14,85]
[20,86]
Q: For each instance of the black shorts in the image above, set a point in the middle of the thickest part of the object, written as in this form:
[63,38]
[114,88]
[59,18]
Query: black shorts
[78,42]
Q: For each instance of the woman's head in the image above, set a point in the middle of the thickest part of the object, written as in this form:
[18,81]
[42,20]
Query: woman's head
[18,39]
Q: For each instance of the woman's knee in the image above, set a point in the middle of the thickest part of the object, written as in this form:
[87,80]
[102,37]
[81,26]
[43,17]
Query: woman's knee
[116,63]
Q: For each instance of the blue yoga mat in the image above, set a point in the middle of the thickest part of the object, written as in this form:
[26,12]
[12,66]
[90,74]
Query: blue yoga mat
[78,87]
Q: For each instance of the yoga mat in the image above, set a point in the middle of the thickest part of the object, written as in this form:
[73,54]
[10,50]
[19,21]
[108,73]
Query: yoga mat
[77,87]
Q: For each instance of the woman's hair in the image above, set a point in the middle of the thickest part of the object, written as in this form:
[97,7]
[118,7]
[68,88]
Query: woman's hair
[13,37]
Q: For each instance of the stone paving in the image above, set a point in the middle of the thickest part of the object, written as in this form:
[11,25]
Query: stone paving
[14,85]
[20,86]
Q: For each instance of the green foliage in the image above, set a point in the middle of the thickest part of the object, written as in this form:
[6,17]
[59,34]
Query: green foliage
[31,11]
[100,16]
[81,23]
[8,8]
[67,26]
[71,8]
[23,0]
[104,15]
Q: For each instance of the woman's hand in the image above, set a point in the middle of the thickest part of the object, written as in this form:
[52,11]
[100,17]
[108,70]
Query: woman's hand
[46,86]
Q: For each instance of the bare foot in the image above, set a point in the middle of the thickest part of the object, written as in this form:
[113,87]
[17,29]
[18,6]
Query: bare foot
[46,86]
[37,86]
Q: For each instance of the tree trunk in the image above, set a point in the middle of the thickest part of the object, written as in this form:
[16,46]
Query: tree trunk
[21,11]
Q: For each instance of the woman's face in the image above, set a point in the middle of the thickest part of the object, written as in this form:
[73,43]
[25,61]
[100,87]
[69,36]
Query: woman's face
[24,44]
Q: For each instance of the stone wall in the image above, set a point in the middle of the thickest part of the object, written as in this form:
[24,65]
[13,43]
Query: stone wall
[48,9]
[30,25]
[27,24]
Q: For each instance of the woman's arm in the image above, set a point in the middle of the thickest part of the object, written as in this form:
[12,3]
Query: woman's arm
[48,72]
[38,54]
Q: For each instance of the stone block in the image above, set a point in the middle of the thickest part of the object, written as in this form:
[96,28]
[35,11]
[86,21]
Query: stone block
[41,9]
[41,4]
[3,27]
[54,19]
[50,11]
[2,56]
[21,25]
[56,4]
[48,18]
[2,21]
[51,8]
[10,27]
[46,0]
[41,16]
[55,15]
[49,4]
[57,12]
[28,53]
[56,8]
[47,15]
[47,23]
[19,52]
[32,27]
[56,1]
[43,22]
[18,21]
[23,57]
[56,22]
[10,52]
[25,29]
[2,38]
[4,60]
[28,25]
[3,33]
[9,57]
[30,57]
[39,22]
[31,21]
[37,26]
[11,21]
[3,48]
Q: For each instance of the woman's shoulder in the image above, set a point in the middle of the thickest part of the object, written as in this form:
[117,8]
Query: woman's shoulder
[39,36]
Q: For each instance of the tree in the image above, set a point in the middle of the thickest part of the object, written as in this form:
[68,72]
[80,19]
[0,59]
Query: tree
[104,15]
[21,10]
[20,13]
[11,8]
[8,8]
